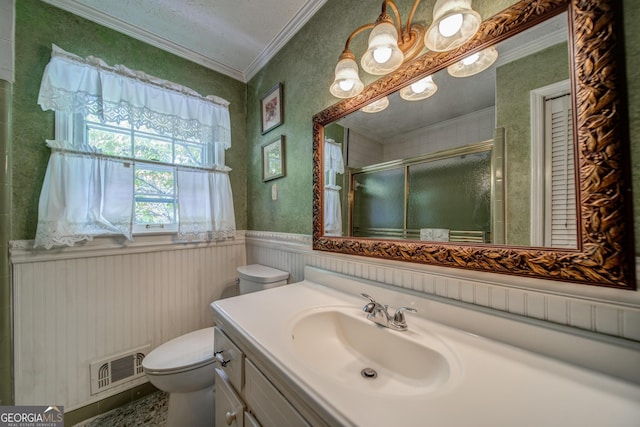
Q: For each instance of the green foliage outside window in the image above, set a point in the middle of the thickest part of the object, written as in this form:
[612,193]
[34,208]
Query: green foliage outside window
[155,185]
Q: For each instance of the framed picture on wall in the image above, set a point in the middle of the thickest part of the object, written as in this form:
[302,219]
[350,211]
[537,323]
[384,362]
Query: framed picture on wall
[273,159]
[271,109]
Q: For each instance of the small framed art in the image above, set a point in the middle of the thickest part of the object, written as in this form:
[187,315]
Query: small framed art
[271,109]
[273,159]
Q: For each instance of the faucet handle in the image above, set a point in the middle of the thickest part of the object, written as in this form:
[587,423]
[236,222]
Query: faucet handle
[369,297]
[399,316]
[372,304]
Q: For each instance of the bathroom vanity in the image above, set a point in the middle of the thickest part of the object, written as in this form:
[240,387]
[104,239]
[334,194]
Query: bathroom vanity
[306,354]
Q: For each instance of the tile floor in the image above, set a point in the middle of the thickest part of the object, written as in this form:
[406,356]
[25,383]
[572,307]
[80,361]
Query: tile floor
[149,411]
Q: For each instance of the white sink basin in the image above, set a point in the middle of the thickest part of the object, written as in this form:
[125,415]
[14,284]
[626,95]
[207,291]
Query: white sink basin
[338,343]
[313,339]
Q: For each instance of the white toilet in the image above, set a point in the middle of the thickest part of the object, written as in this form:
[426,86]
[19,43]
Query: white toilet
[183,367]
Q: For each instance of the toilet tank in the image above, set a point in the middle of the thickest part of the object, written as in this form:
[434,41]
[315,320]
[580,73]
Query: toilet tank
[256,277]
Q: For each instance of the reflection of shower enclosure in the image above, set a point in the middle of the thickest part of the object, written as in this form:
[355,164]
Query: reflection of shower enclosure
[450,190]
[378,202]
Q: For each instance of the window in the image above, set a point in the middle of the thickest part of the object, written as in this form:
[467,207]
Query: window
[132,153]
[155,169]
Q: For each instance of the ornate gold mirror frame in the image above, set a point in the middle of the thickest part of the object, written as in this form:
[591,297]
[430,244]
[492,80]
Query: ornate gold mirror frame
[604,255]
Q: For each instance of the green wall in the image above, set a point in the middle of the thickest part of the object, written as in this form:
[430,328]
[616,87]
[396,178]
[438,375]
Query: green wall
[305,66]
[6,94]
[631,15]
[38,25]
[514,81]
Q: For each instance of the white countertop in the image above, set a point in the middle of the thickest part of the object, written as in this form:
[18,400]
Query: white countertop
[492,383]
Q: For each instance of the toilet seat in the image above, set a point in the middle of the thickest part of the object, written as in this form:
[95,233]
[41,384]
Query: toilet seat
[184,353]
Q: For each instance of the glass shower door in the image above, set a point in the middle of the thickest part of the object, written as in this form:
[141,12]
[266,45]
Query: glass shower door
[378,202]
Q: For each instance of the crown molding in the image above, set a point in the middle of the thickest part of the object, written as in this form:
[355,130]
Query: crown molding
[533,46]
[139,33]
[143,35]
[304,14]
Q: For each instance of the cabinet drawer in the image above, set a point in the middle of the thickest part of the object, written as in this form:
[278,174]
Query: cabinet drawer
[268,406]
[229,358]
[228,406]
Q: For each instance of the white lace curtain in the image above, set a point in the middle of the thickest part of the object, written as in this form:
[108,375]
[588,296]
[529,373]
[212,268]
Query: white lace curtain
[71,84]
[86,194]
[333,164]
[205,206]
[75,202]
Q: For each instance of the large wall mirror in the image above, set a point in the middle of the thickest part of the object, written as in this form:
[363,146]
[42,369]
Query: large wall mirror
[520,169]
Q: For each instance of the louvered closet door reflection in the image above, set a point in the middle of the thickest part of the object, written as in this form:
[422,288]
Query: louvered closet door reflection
[560,194]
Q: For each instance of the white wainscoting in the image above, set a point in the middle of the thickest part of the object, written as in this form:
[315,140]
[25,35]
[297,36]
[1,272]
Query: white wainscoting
[76,305]
[597,309]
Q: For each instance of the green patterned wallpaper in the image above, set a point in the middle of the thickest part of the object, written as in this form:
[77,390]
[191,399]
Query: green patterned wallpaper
[305,66]
[514,81]
[631,15]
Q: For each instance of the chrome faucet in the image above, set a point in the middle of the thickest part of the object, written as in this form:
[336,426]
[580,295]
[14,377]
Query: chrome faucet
[379,314]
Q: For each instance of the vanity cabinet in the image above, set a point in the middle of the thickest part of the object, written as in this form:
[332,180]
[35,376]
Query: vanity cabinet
[245,397]
[229,408]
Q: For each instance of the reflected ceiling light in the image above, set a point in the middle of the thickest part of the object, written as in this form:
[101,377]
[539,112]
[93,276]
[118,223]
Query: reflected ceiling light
[421,89]
[454,22]
[390,44]
[475,63]
[376,106]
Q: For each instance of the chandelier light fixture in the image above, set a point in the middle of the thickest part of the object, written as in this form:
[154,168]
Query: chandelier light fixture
[391,44]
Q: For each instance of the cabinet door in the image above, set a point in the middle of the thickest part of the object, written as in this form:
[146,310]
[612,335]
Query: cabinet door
[249,421]
[270,408]
[229,407]
[229,358]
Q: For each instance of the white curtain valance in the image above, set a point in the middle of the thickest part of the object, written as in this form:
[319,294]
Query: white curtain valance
[89,86]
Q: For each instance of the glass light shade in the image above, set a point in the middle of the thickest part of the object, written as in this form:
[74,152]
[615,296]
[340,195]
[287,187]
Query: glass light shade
[471,59]
[450,25]
[465,67]
[347,82]
[376,106]
[383,54]
[421,89]
[454,22]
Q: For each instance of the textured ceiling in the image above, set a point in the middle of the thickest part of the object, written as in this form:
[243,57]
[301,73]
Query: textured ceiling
[238,37]
[234,37]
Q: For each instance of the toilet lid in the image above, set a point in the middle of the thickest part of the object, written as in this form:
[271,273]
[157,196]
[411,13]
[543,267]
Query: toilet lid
[186,351]
[261,273]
